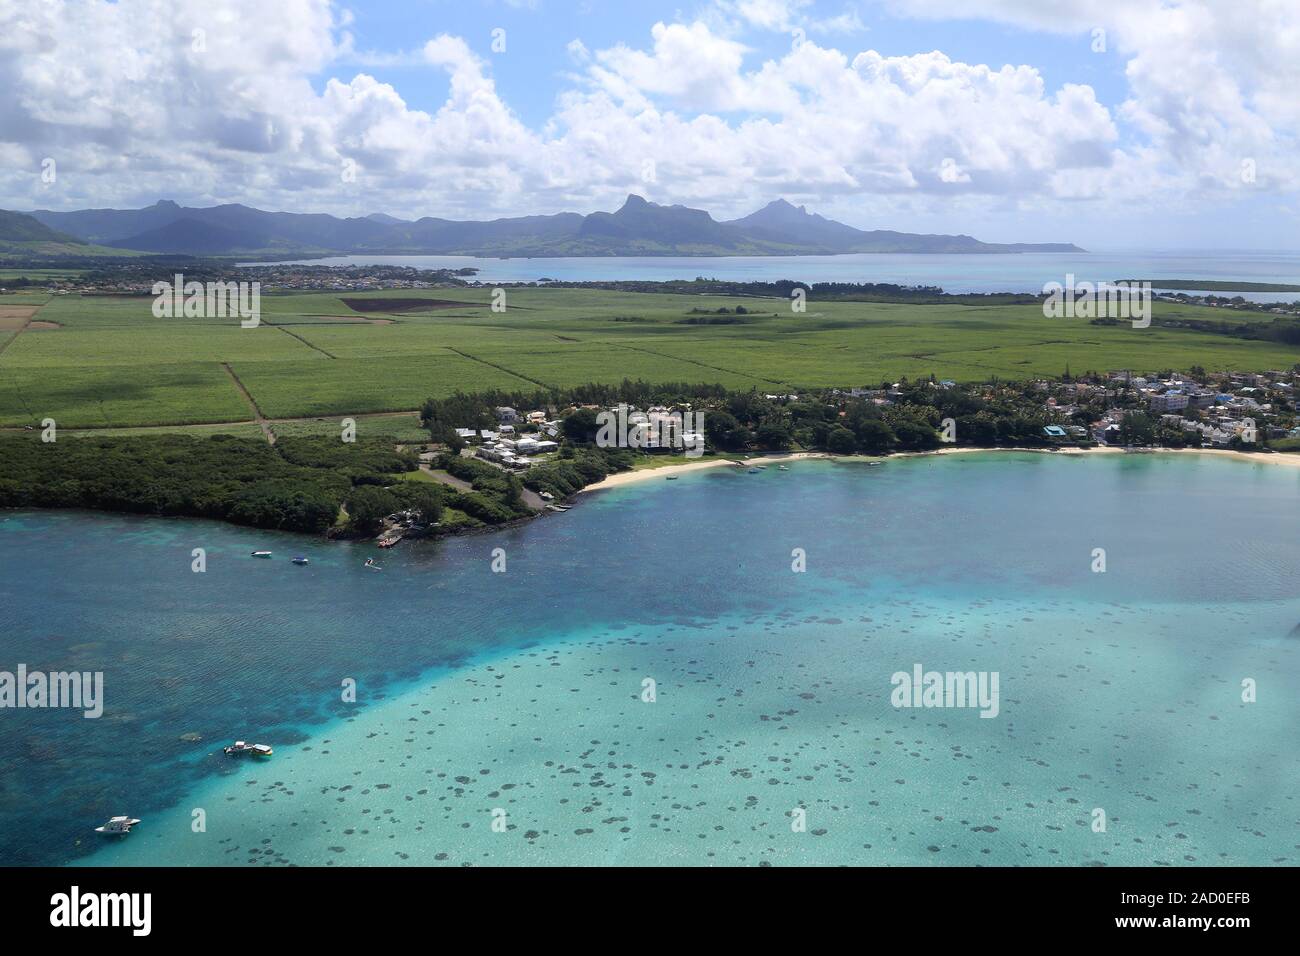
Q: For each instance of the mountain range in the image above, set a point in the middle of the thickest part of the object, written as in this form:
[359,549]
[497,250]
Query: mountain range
[638,228]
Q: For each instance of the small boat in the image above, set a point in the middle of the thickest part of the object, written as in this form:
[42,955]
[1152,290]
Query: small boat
[370,563]
[261,554]
[117,826]
[755,471]
[782,468]
[673,477]
[299,560]
[239,748]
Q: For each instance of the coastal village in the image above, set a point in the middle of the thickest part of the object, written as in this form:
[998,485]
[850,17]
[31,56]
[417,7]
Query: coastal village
[1200,410]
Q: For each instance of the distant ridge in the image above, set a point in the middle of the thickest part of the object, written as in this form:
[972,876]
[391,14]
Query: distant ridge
[17,227]
[637,228]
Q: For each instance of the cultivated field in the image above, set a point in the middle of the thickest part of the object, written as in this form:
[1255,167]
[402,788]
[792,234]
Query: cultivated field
[107,362]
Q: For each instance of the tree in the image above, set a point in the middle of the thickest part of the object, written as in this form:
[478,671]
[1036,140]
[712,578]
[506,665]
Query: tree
[723,431]
[914,436]
[774,436]
[874,436]
[1137,429]
[580,426]
[841,441]
[367,507]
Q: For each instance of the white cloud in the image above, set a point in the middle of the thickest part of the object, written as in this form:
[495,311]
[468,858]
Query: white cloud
[1212,82]
[118,95]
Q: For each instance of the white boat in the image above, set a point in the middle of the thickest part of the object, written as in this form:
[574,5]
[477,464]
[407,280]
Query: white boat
[300,560]
[117,826]
[239,748]
[261,554]
[370,563]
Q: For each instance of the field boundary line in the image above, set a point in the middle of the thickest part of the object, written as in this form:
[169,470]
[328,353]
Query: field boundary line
[262,423]
[302,340]
[23,328]
[715,368]
[499,368]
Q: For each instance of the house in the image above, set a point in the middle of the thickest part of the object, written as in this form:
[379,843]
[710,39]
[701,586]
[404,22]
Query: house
[1108,434]
[1170,401]
[531,446]
[506,415]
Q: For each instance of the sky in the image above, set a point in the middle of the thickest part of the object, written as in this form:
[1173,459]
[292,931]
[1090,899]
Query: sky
[1114,124]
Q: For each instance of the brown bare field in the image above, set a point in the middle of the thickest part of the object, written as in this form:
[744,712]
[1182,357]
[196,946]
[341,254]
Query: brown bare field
[15,316]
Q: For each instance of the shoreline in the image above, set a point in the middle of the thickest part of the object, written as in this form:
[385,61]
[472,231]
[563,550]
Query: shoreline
[621,478]
[1273,458]
[624,478]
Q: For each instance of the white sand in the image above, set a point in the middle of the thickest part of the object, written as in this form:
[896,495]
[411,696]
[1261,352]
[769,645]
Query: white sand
[648,474]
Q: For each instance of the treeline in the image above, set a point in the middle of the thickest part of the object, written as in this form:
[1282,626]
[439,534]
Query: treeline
[299,485]
[1284,331]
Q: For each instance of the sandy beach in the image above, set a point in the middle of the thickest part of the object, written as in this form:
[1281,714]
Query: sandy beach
[649,474]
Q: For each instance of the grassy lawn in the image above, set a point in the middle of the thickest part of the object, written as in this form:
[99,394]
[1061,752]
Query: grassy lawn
[111,363]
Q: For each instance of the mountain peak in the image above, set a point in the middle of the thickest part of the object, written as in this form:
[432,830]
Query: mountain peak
[782,206]
[634,201]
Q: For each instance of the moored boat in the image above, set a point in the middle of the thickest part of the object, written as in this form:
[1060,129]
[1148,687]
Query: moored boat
[117,826]
[261,554]
[239,748]
[300,560]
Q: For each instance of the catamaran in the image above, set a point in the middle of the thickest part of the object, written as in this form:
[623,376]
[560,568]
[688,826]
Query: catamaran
[238,748]
[117,826]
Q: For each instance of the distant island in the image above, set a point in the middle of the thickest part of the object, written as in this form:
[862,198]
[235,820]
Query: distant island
[638,228]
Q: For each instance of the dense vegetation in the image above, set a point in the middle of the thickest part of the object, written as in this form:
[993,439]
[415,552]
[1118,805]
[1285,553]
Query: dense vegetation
[299,485]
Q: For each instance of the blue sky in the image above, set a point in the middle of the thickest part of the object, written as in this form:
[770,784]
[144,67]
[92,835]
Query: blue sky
[994,118]
[532,71]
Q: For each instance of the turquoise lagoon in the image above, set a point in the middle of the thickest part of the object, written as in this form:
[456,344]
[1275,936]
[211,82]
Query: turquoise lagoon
[516,698]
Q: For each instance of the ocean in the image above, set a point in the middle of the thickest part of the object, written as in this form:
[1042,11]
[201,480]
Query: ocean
[652,681]
[1026,272]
